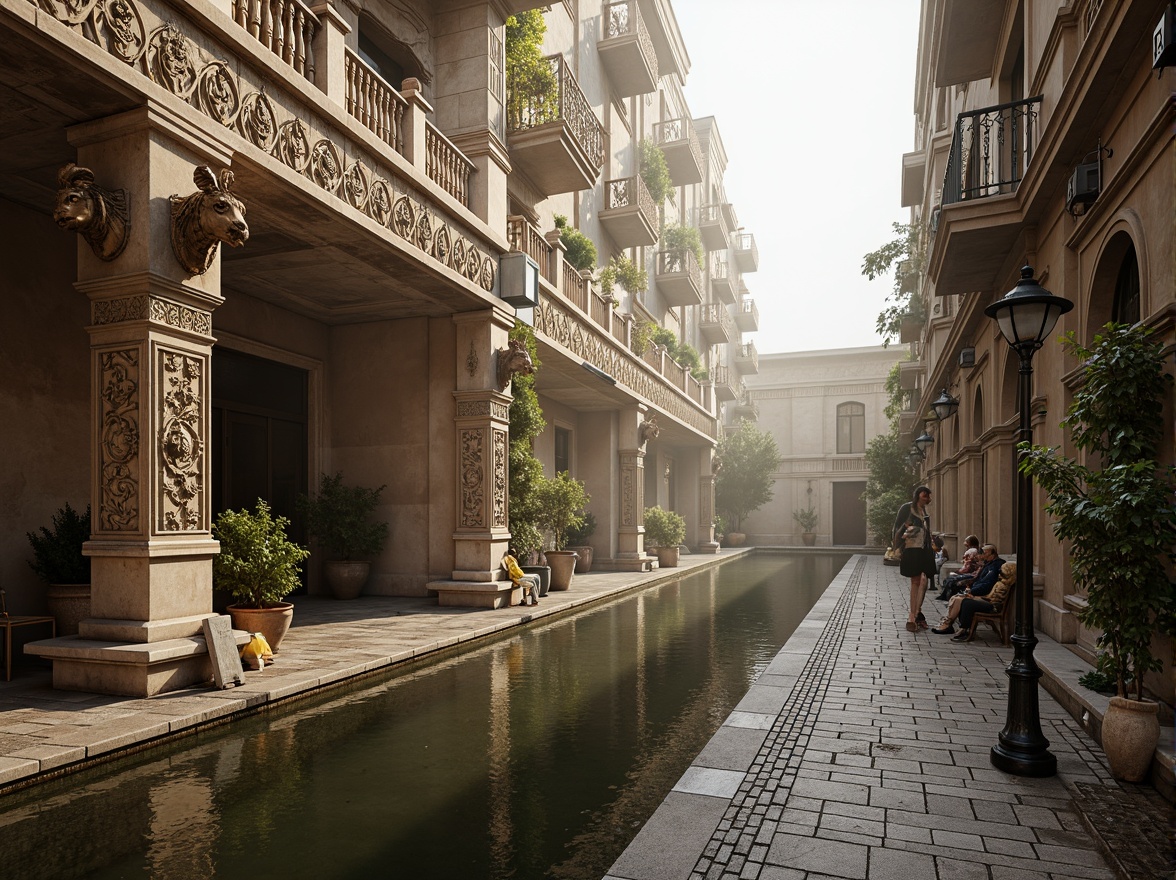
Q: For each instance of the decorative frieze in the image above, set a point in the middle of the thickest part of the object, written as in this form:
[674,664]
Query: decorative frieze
[118,447]
[181,444]
[143,307]
[483,408]
[582,340]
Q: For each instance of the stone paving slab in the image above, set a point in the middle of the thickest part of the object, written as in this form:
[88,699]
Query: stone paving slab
[874,764]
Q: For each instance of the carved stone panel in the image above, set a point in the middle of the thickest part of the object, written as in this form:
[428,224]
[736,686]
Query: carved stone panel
[500,479]
[181,442]
[118,446]
[472,478]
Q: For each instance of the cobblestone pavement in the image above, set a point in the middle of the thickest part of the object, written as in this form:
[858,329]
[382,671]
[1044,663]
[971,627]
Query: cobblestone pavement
[863,752]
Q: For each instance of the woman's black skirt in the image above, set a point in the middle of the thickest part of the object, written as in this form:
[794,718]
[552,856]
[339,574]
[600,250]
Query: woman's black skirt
[916,561]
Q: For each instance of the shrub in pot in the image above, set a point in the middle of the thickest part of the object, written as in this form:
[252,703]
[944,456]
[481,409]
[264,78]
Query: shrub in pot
[258,565]
[578,541]
[664,533]
[806,518]
[561,502]
[339,517]
[1116,512]
[58,561]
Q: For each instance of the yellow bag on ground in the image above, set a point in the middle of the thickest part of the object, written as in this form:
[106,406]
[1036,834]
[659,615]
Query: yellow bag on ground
[256,652]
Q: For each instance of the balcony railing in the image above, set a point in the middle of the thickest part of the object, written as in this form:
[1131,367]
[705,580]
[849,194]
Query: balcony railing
[991,150]
[747,318]
[630,215]
[679,280]
[627,50]
[683,152]
[746,253]
[285,27]
[373,101]
[722,281]
[446,165]
[714,323]
[527,108]
[712,227]
[747,358]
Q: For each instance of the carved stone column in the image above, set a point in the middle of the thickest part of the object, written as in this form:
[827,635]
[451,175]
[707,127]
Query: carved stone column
[706,502]
[631,533]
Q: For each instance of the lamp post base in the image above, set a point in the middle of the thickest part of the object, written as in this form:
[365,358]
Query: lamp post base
[1024,762]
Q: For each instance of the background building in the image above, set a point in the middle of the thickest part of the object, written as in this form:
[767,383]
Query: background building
[823,408]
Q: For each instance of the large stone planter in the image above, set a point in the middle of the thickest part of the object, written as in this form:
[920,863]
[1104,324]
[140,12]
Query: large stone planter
[346,578]
[70,605]
[668,557]
[563,566]
[584,562]
[809,538]
[1130,732]
[270,622]
[736,539]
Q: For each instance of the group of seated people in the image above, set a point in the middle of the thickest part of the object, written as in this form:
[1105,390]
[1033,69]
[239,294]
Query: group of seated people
[982,585]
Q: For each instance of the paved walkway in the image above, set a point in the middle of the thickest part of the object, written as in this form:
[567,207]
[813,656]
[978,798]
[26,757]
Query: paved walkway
[862,752]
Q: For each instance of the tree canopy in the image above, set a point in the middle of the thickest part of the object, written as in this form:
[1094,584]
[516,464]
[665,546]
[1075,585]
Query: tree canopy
[744,482]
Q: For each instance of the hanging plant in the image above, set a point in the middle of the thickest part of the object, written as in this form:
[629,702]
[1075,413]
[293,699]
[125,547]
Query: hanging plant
[656,173]
[524,471]
[624,271]
[675,235]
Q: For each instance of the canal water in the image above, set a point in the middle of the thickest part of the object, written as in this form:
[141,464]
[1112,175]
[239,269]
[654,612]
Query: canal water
[538,755]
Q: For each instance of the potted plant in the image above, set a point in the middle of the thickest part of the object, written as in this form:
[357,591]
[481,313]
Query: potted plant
[339,517]
[58,561]
[1116,511]
[258,565]
[806,518]
[561,506]
[578,541]
[664,533]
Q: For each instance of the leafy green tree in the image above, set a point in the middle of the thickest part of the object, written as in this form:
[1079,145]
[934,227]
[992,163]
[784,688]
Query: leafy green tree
[749,457]
[532,89]
[905,254]
[1118,510]
[889,485]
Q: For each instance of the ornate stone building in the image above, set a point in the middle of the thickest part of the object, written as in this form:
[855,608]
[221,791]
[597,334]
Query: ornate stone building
[1044,137]
[297,226]
[823,408]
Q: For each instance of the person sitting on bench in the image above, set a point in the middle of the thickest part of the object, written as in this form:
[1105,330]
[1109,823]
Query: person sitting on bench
[954,583]
[985,585]
[529,582]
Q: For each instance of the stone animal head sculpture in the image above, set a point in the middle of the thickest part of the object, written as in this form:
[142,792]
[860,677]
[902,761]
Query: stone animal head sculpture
[99,215]
[513,360]
[204,219]
[648,430]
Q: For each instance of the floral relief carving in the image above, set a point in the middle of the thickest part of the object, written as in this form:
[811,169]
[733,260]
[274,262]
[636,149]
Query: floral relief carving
[183,317]
[499,479]
[181,447]
[472,362]
[472,474]
[119,443]
[628,503]
[169,60]
[115,311]
[216,93]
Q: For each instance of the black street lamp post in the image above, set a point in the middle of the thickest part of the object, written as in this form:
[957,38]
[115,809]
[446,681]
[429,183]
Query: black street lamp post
[1026,315]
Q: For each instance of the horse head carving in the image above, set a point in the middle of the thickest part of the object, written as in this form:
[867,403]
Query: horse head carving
[512,360]
[204,219]
[648,430]
[99,215]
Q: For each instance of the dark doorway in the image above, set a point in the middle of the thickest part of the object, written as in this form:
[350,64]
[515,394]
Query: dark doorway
[849,514]
[259,435]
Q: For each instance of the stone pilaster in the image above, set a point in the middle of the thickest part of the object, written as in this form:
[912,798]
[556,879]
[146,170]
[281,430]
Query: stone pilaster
[706,502]
[631,531]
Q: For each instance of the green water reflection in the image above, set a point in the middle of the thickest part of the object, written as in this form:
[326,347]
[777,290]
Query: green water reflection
[539,755]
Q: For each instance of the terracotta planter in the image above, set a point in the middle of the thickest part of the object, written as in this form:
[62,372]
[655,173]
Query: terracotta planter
[270,622]
[809,538]
[1130,732]
[667,557]
[346,578]
[584,562]
[70,604]
[544,572]
[563,566]
[736,539]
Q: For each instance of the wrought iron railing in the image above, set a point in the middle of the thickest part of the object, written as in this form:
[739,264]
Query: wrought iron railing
[991,150]
[627,191]
[623,18]
[446,165]
[680,129]
[374,102]
[285,27]
[529,107]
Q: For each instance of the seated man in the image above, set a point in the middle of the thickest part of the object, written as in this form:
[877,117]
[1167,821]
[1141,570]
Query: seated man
[529,582]
[981,585]
[964,606]
[954,583]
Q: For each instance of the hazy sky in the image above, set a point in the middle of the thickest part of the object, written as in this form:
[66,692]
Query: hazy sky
[814,105]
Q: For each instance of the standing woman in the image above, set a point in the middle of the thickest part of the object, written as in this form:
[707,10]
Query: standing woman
[912,531]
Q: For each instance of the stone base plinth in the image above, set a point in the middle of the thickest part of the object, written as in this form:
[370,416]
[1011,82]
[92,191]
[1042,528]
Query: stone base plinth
[476,594]
[142,631]
[708,547]
[127,669]
[635,563]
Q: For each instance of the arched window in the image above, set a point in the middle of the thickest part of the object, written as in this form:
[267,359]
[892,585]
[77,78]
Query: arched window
[1126,307]
[851,428]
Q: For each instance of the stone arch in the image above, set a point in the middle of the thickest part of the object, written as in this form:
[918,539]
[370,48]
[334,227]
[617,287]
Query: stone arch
[1008,386]
[1122,260]
[977,413]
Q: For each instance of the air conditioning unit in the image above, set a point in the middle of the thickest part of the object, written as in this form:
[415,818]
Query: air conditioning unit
[967,357]
[1164,40]
[1083,186]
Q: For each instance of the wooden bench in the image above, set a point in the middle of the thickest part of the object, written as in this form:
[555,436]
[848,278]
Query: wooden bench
[1001,621]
